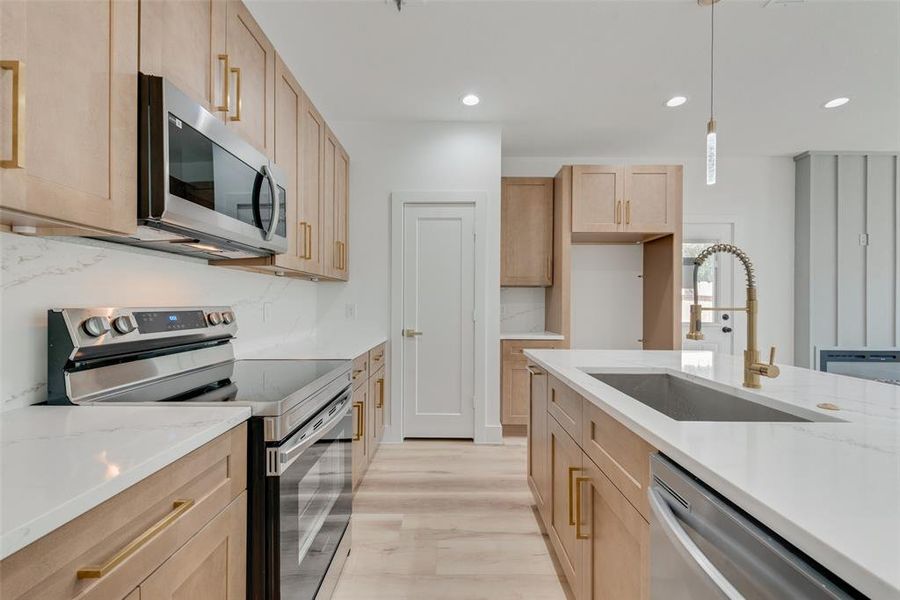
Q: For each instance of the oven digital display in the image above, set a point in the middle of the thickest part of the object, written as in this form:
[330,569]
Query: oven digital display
[156,322]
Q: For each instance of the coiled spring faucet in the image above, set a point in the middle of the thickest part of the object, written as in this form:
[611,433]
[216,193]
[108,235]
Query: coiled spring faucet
[752,367]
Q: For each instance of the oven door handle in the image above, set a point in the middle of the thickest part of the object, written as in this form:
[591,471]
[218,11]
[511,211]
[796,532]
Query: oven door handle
[285,457]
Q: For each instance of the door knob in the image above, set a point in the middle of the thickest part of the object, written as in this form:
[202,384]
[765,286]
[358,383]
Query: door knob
[727,329]
[411,332]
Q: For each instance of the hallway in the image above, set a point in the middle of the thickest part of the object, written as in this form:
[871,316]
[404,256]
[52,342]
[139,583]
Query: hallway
[448,520]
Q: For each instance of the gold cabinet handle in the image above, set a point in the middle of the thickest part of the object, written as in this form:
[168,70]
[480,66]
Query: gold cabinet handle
[179,507]
[578,534]
[628,212]
[337,255]
[17,158]
[572,471]
[359,421]
[549,268]
[618,211]
[226,88]
[237,93]
[411,333]
[343,256]
[532,371]
[380,384]
[309,241]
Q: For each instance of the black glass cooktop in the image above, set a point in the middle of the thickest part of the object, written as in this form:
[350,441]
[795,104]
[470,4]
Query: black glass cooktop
[269,387]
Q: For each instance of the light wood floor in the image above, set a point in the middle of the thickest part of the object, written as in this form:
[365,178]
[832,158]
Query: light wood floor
[442,520]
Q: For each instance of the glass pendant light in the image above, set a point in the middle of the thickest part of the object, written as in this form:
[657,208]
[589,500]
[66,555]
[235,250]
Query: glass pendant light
[711,126]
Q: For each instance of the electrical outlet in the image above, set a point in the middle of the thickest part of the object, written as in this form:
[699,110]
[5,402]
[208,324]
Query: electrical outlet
[267,312]
[350,311]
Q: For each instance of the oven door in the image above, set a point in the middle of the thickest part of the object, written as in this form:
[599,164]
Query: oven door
[310,485]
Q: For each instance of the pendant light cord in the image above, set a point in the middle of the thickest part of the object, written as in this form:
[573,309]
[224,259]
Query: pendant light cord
[712,44]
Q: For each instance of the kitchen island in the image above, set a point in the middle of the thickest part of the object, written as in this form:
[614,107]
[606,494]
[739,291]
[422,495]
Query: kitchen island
[830,486]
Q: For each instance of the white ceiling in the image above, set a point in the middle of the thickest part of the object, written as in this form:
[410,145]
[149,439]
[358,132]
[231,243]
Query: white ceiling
[590,78]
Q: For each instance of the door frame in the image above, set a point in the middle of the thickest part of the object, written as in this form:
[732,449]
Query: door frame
[478,199]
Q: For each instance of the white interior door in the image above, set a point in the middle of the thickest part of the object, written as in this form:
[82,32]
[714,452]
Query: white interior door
[438,316]
[716,288]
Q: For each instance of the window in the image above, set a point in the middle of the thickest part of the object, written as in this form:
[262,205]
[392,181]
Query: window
[707,281]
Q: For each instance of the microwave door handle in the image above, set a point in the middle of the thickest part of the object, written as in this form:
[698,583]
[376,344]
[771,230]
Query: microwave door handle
[686,547]
[276,203]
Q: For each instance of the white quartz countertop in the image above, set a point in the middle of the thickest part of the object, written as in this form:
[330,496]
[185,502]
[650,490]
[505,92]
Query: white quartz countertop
[532,335]
[346,348]
[58,462]
[830,488]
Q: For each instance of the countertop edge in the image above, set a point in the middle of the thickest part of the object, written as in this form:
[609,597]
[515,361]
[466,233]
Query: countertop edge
[842,565]
[25,534]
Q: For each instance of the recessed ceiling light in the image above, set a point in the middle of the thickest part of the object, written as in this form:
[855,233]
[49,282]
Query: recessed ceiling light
[675,101]
[470,99]
[837,102]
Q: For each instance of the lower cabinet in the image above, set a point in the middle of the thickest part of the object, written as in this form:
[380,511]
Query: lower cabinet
[514,379]
[370,406]
[360,439]
[179,533]
[600,538]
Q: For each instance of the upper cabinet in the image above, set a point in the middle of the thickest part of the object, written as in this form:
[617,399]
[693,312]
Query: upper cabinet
[337,190]
[184,41]
[643,201]
[526,231]
[68,161]
[311,201]
[250,78]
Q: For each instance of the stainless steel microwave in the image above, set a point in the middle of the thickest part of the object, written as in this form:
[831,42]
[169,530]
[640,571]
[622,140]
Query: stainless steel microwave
[202,189]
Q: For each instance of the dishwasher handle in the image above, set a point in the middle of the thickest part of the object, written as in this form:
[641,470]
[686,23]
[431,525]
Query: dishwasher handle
[686,547]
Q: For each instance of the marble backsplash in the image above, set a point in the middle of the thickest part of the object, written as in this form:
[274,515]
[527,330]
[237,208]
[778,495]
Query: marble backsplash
[521,309]
[41,273]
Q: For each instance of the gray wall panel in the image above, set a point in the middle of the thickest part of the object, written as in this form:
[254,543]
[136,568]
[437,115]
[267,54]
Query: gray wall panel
[881,317]
[851,264]
[802,352]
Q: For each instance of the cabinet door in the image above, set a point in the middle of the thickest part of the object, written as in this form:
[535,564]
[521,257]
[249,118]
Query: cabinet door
[380,399]
[516,391]
[288,107]
[212,565]
[312,188]
[134,595]
[537,442]
[616,539]
[69,159]
[597,193]
[372,432]
[526,232]
[651,196]
[564,465]
[251,78]
[360,441]
[331,253]
[342,210]
[183,40]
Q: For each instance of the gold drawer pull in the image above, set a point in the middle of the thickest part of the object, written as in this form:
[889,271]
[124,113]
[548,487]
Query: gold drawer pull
[380,384]
[226,88]
[578,534]
[237,93]
[360,428]
[179,507]
[618,212]
[17,158]
[628,212]
[308,241]
[572,471]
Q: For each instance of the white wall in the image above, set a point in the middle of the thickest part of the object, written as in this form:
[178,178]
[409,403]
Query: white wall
[393,156]
[757,194]
[41,273]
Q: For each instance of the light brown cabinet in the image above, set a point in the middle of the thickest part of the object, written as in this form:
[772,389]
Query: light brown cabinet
[184,41]
[538,479]
[336,204]
[642,200]
[526,231]
[376,411]
[195,511]
[311,202]
[68,133]
[593,503]
[360,444]
[515,382]
[370,406]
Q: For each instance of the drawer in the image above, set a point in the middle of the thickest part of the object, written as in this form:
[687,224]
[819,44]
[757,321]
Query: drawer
[360,373]
[564,404]
[377,356]
[516,347]
[622,455]
[210,478]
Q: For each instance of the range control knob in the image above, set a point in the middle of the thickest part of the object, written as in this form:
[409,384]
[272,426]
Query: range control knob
[228,317]
[214,318]
[124,324]
[95,326]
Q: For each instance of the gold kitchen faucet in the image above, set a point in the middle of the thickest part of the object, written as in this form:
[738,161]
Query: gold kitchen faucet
[752,367]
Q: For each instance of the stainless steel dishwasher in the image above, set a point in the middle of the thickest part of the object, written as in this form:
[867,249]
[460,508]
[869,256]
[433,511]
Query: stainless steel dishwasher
[702,547]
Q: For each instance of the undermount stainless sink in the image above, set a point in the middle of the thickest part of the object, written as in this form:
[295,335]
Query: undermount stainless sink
[686,401]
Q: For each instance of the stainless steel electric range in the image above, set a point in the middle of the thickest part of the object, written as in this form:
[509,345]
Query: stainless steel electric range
[299,469]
